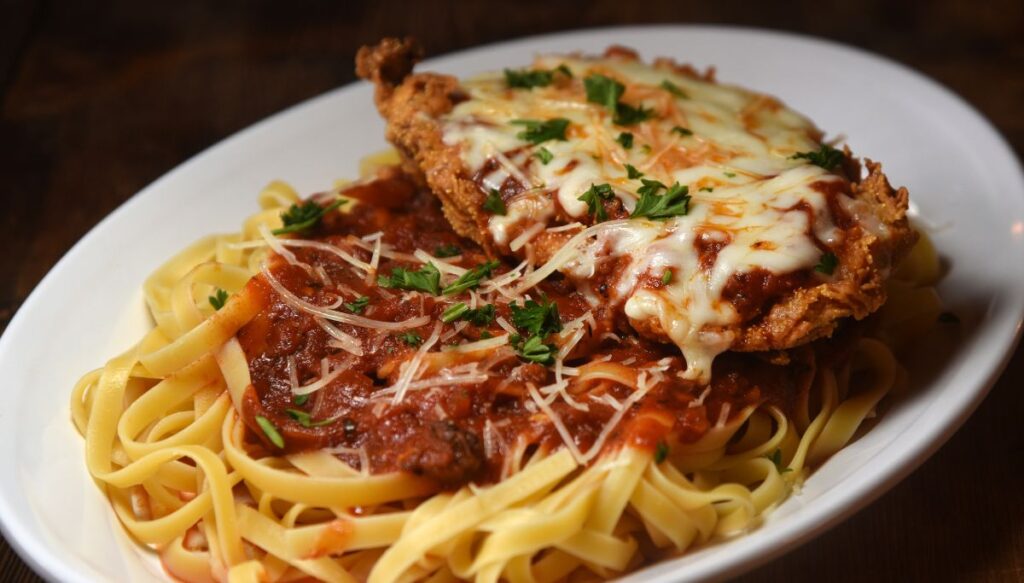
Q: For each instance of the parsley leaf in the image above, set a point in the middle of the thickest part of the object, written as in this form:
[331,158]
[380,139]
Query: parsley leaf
[300,400]
[827,157]
[659,207]
[660,452]
[427,279]
[443,251]
[674,89]
[301,218]
[494,203]
[682,131]
[411,338]
[666,278]
[593,198]
[537,318]
[306,420]
[776,458]
[625,139]
[270,431]
[538,132]
[730,174]
[527,79]
[604,91]
[218,299]
[454,313]
[530,78]
[357,305]
[535,350]
[827,264]
[627,115]
[632,172]
[481,316]
[544,155]
[471,279]
[708,189]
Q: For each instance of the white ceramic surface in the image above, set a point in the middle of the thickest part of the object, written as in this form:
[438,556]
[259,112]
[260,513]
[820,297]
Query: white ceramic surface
[962,176]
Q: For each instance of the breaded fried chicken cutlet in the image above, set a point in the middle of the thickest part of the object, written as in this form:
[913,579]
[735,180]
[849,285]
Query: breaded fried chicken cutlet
[707,215]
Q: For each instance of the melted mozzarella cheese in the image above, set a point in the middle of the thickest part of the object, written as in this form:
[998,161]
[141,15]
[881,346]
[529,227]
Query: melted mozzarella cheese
[734,153]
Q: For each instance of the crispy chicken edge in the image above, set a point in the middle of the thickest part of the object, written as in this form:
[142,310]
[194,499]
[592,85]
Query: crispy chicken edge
[412,102]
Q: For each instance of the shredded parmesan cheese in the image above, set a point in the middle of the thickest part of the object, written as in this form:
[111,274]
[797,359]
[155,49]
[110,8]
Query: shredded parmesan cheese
[351,319]
[411,367]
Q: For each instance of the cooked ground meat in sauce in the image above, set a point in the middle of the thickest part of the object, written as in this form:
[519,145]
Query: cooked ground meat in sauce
[459,433]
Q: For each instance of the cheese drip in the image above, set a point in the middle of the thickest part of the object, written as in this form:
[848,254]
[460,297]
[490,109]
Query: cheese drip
[731,147]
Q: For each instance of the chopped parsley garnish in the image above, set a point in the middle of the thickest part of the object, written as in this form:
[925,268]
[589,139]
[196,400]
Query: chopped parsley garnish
[300,400]
[674,89]
[538,132]
[659,207]
[306,420]
[530,78]
[666,277]
[443,251]
[484,335]
[949,318]
[494,203]
[454,313]
[426,279]
[593,197]
[627,115]
[301,218]
[544,155]
[707,189]
[646,148]
[660,452]
[411,338]
[606,91]
[776,458]
[218,299]
[535,350]
[270,431]
[472,278]
[827,157]
[682,131]
[357,305]
[730,174]
[625,139]
[482,316]
[537,318]
[827,264]
[632,172]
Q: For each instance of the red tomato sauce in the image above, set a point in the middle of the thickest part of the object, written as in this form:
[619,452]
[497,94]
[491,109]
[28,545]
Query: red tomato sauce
[460,432]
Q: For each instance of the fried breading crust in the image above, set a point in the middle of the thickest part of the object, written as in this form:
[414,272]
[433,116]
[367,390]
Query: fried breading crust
[412,102]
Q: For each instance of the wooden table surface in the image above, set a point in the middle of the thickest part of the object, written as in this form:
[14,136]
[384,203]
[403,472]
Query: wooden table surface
[98,101]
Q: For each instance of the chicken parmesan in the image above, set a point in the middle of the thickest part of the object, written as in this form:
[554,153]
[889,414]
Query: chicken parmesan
[592,314]
[711,216]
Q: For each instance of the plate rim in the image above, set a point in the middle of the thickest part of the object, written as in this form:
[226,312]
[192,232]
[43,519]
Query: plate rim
[43,559]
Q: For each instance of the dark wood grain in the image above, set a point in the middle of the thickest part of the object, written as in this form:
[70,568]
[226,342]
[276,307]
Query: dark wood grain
[99,99]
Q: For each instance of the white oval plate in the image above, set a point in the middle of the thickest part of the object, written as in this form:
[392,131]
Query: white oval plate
[962,177]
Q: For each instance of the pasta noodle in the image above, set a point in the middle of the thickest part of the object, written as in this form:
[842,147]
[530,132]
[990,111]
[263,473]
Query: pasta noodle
[166,440]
